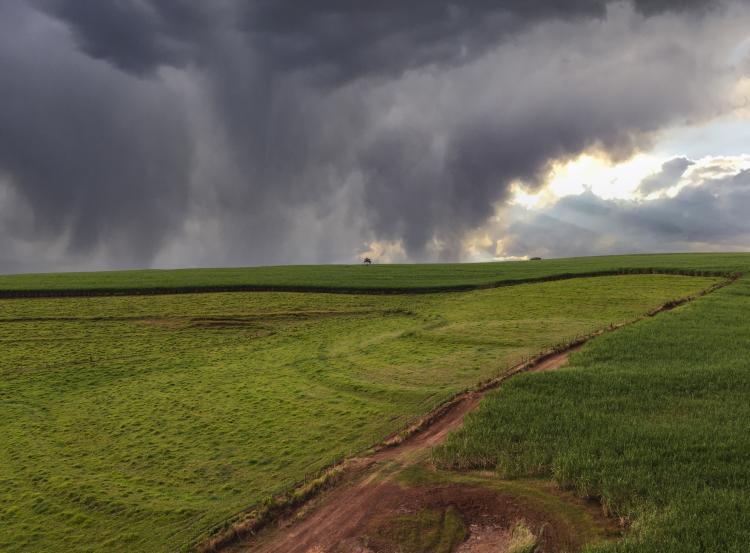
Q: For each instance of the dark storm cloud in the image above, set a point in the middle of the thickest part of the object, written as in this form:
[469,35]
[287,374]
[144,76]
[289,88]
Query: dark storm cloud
[98,156]
[654,7]
[669,176]
[711,216]
[137,35]
[274,131]
[347,38]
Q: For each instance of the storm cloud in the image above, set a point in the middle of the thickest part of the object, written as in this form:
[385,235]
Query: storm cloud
[140,133]
[345,39]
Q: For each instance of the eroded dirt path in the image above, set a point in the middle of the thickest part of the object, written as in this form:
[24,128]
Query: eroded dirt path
[439,427]
[337,521]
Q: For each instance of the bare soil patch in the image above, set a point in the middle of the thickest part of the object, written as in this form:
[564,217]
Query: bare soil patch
[371,505]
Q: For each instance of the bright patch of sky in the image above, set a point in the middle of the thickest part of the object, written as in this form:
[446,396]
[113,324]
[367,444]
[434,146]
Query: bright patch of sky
[721,143]
[589,172]
[723,137]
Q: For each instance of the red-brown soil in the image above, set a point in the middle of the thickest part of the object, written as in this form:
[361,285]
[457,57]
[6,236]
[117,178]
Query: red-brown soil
[344,519]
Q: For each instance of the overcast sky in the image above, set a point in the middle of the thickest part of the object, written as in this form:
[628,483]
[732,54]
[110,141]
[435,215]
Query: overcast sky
[173,133]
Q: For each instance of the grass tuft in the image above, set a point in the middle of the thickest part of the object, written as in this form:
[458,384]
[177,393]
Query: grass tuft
[522,539]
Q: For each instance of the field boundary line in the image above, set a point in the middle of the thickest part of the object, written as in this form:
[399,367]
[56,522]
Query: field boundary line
[399,290]
[252,520]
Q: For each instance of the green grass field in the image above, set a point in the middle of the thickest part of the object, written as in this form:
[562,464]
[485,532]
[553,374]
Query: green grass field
[432,277]
[136,423]
[653,420]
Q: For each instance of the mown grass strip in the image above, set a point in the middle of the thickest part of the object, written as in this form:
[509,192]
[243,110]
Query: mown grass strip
[344,289]
[357,278]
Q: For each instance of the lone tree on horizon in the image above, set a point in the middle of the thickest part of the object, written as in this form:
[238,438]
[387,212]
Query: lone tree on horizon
[367,261]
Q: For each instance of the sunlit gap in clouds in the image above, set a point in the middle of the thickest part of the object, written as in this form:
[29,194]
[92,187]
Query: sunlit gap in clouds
[593,172]
[621,180]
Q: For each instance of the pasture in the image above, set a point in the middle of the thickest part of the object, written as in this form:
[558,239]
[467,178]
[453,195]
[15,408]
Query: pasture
[137,423]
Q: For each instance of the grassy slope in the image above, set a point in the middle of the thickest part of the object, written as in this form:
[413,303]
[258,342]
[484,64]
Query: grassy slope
[133,423]
[653,419]
[358,277]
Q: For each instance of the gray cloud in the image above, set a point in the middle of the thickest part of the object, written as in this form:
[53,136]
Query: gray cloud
[140,132]
[669,176]
[96,155]
[344,39]
[138,35]
[711,216]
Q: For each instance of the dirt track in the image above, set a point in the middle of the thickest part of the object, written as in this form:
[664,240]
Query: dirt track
[434,433]
[335,522]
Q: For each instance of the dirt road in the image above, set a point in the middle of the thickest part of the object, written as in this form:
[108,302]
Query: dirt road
[336,522]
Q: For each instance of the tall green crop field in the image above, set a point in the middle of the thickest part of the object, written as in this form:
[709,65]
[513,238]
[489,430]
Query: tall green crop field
[653,420]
